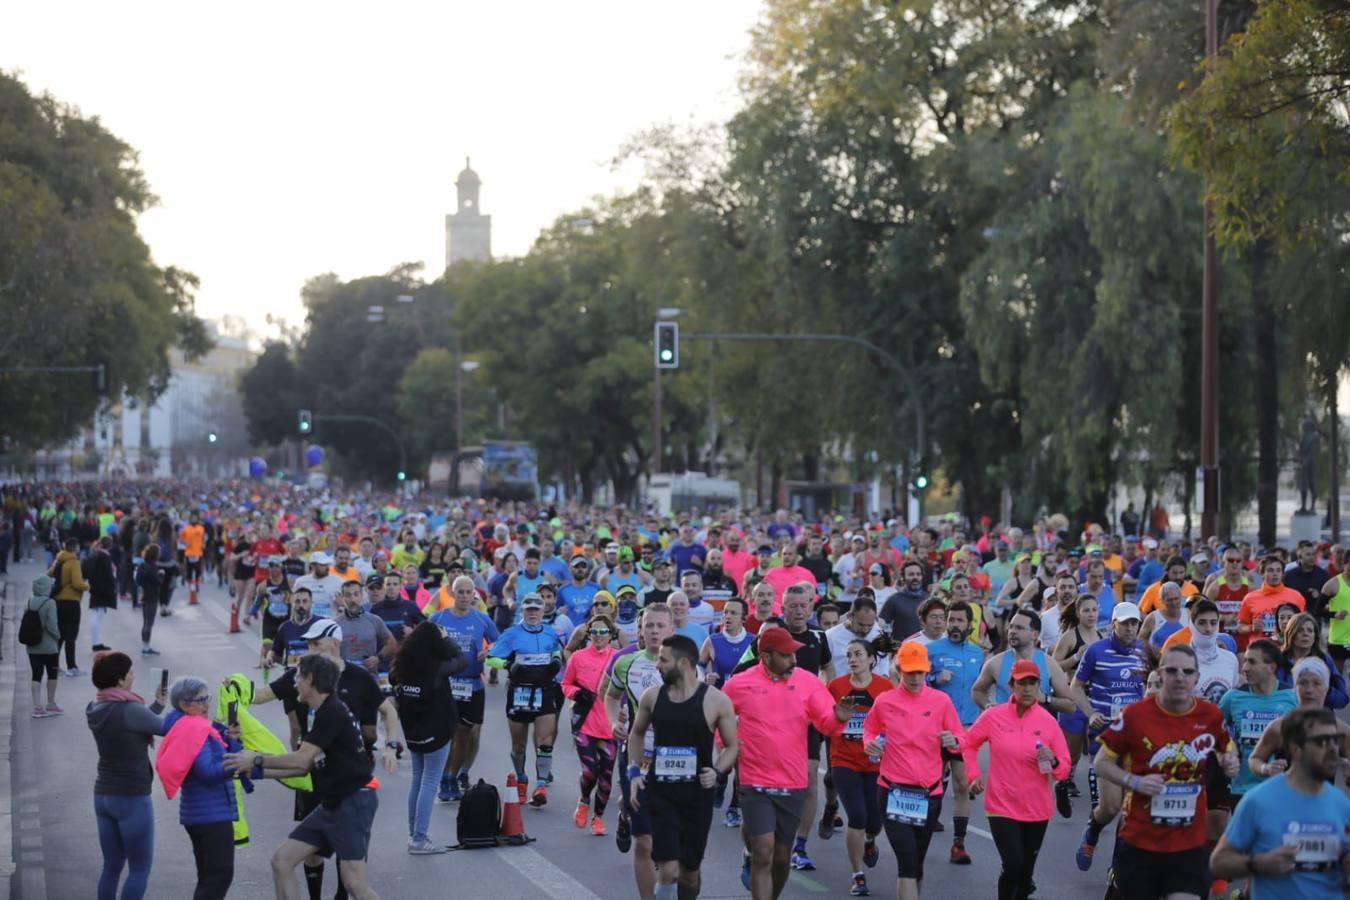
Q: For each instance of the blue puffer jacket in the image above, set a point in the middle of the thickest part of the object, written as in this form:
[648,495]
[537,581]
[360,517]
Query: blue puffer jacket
[208,790]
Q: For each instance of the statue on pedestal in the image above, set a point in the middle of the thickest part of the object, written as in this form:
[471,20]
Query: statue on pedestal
[1309,447]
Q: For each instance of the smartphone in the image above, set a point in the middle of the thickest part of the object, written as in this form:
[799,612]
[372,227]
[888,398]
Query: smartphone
[163,679]
[234,713]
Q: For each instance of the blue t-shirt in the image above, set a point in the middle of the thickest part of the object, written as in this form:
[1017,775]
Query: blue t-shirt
[469,631]
[554,567]
[1272,814]
[576,601]
[1150,573]
[536,651]
[1114,675]
[682,557]
[525,585]
[964,661]
[1247,715]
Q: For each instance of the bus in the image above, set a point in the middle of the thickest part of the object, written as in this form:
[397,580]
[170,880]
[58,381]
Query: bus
[496,470]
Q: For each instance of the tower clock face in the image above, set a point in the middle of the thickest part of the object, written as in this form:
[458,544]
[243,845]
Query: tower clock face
[468,204]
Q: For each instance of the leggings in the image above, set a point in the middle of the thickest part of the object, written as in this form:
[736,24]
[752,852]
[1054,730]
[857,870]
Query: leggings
[597,769]
[43,662]
[213,849]
[858,796]
[1018,844]
[910,842]
[148,610]
[126,835]
[68,624]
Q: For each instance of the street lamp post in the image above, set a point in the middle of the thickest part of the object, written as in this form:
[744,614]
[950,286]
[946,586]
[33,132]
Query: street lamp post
[1209,341]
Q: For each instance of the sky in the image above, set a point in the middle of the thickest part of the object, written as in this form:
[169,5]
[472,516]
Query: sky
[285,140]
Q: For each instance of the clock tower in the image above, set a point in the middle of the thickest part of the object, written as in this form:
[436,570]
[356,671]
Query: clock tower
[468,233]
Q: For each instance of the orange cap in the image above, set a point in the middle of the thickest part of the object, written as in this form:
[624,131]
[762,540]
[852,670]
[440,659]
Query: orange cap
[912,657]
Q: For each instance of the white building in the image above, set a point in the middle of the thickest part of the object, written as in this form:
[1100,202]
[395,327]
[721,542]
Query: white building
[468,233]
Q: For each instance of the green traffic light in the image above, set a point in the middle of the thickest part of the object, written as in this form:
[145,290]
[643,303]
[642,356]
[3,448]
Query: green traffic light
[402,476]
[211,437]
[921,482]
[666,356]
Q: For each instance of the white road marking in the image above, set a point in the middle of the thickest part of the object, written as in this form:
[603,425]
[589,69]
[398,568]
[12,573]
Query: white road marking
[550,880]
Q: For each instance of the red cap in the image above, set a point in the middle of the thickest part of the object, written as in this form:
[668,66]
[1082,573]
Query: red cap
[778,639]
[1024,668]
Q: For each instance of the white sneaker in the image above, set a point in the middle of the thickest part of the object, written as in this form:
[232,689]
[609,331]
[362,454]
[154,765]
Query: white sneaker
[425,848]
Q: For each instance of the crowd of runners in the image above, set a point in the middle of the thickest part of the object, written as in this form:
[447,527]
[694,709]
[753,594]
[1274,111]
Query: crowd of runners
[756,677]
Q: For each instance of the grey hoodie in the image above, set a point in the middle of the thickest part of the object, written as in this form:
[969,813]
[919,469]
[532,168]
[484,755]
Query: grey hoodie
[122,730]
[42,602]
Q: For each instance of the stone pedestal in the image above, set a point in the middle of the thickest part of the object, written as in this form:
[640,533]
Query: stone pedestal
[1305,526]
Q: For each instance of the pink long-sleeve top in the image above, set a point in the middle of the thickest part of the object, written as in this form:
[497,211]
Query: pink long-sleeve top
[1015,786]
[911,723]
[772,717]
[585,669]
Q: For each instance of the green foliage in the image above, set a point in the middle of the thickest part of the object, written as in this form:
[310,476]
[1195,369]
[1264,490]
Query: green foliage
[76,281]
[426,404]
[271,396]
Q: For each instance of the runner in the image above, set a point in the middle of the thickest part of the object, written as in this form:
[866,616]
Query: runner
[773,728]
[684,714]
[900,611]
[192,540]
[1288,835]
[332,750]
[1078,622]
[855,775]
[1110,677]
[813,655]
[956,664]
[532,655]
[591,729]
[1025,750]
[1157,750]
[322,585]
[1227,588]
[1310,686]
[630,675]
[908,729]
[1257,616]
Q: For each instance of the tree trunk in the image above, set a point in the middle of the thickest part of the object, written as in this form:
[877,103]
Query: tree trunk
[1334,420]
[1267,395]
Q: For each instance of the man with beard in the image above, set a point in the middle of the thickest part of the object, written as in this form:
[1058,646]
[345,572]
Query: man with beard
[684,714]
[901,611]
[791,572]
[859,624]
[817,564]
[717,583]
[956,664]
[322,585]
[662,586]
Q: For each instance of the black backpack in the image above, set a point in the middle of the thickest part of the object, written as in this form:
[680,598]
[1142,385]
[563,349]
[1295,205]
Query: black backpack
[480,816]
[30,626]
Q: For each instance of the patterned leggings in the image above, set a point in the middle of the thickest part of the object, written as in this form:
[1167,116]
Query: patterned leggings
[597,769]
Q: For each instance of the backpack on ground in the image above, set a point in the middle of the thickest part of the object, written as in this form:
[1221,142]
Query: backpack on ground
[30,626]
[480,816]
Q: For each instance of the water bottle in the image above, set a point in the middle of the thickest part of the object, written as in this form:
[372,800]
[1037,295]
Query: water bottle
[880,742]
[1040,763]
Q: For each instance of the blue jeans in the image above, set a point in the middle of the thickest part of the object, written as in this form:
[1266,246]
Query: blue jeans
[426,777]
[126,834]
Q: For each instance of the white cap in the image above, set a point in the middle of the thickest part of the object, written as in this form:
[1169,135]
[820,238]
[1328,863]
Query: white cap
[320,559]
[1126,611]
[1150,544]
[323,628]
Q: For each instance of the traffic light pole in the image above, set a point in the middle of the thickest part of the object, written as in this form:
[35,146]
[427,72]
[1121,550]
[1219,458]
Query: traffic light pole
[333,417]
[657,436]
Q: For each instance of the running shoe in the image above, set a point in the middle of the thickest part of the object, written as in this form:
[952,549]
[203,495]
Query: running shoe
[100,648]
[826,829]
[443,792]
[463,781]
[1073,790]
[870,854]
[733,817]
[456,794]
[73,672]
[802,862]
[859,888]
[149,651]
[959,856]
[598,827]
[582,814]
[39,712]
[540,797]
[1086,848]
[1063,802]
[623,835]
[425,848]
[54,710]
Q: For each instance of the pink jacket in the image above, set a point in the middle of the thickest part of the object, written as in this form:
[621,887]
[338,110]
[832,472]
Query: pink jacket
[1015,787]
[585,669]
[179,749]
[911,723]
[773,715]
[780,578]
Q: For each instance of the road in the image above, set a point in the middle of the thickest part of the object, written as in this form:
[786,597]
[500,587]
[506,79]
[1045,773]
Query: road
[55,840]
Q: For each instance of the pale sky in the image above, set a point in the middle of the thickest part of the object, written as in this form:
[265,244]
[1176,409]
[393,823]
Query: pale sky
[289,139]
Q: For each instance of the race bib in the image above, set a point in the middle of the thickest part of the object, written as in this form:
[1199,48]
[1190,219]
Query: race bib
[1175,806]
[527,699]
[675,764]
[1268,623]
[1319,846]
[534,659]
[853,729]
[908,806]
[462,688]
[1254,724]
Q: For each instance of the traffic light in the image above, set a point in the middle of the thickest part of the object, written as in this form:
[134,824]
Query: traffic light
[306,421]
[211,438]
[920,482]
[667,345]
[402,476]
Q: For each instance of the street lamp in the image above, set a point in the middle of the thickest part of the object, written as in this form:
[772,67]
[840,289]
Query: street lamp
[467,365]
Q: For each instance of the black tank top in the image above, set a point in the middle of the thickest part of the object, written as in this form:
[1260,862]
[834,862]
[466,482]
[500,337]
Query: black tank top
[684,742]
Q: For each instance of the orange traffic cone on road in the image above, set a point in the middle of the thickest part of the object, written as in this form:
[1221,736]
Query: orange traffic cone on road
[513,827]
[234,620]
[192,594]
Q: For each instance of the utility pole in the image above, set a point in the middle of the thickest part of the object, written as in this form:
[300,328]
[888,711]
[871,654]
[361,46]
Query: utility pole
[656,419]
[1209,350]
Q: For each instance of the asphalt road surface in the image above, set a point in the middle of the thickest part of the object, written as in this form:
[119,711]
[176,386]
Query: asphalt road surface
[55,844]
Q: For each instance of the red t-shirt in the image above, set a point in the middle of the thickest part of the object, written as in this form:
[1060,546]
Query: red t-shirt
[1148,740]
[846,751]
[268,548]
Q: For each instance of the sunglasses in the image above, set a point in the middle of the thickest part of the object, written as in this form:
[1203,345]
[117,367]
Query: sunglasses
[599,631]
[1179,670]
[204,698]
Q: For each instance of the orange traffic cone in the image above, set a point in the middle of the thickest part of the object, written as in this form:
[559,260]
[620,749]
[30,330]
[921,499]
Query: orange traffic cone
[513,827]
[234,619]
[192,594]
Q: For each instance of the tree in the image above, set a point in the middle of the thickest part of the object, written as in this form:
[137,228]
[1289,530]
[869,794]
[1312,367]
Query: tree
[76,281]
[271,396]
[426,403]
